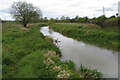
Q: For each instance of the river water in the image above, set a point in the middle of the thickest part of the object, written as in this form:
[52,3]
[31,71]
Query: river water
[106,61]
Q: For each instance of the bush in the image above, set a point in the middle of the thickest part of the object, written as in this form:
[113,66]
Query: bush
[112,22]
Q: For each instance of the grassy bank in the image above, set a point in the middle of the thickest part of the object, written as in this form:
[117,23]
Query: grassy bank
[28,54]
[90,33]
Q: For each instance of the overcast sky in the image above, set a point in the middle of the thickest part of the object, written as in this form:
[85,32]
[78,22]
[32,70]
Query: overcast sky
[70,8]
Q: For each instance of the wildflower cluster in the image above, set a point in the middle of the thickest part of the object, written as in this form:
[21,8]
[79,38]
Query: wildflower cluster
[51,54]
[61,73]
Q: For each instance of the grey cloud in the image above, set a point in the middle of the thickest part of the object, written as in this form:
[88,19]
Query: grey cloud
[75,5]
[70,8]
[114,4]
[108,9]
[6,10]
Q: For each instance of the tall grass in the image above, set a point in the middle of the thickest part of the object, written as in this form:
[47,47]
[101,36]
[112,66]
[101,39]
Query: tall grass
[19,43]
[29,54]
[107,38]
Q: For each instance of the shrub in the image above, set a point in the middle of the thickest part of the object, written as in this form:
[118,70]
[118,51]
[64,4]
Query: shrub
[112,22]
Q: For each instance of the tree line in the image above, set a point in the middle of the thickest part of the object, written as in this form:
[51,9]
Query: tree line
[27,13]
[102,20]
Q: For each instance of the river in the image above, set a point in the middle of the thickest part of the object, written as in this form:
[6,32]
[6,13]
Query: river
[106,61]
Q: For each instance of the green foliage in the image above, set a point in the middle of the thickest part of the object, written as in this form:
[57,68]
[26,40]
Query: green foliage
[111,22]
[41,25]
[70,64]
[32,66]
[25,12]
[105,22]
[7,59]
[90,73]
[51,21]
[18,43]
[28,54]
[107,37]
[100,20]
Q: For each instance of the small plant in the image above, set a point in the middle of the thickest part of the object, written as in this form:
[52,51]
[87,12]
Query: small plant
[70,64]
[90,73]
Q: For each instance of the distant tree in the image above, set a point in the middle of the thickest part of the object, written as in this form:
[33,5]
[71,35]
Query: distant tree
[51,21]
[67,17]
[77,17]
[101,20]
[67,20]
[72,20]
[62,18]
[45,19]
[25,12]
[85,19]
[113,16]
[56,18]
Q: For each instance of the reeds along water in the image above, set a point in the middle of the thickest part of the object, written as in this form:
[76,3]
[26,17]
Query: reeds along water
[86,54]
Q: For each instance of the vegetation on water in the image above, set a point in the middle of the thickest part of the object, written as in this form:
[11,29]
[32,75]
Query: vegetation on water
[91,33]
[29,54]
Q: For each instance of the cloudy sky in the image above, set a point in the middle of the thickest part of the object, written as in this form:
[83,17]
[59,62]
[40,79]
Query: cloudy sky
[70,8]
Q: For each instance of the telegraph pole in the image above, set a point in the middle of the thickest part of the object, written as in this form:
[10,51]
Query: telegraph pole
[103,11]
[93,15]
[119,9]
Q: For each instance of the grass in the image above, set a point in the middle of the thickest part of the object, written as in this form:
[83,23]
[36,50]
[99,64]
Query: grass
[90,33]
[29,54]
[89,73]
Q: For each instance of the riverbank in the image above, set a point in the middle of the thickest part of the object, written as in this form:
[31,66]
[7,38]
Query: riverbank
[29,54]
[90,33]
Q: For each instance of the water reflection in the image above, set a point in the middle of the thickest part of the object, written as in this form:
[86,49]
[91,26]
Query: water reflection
[88,55]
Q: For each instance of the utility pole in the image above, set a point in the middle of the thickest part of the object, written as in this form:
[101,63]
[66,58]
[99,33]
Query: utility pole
[103,11]
[93,15]
[119,9]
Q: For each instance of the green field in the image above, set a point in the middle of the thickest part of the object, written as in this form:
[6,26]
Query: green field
[28,54]
[90,33]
